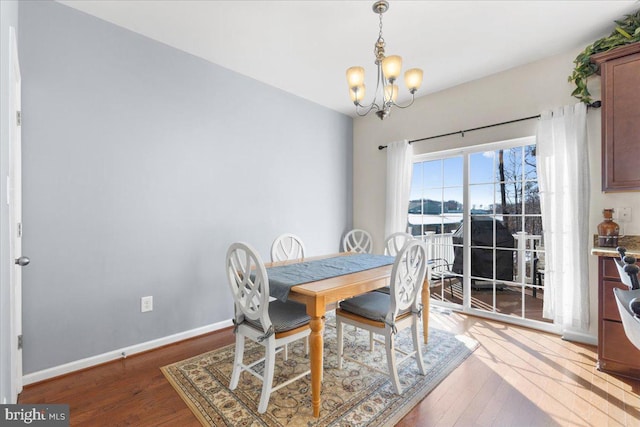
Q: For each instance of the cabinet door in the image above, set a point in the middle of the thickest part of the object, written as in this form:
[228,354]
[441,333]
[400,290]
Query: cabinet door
[621,122]
[609,305]
[618,348]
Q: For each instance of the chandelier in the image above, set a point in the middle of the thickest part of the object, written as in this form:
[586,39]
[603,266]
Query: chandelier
[389,67]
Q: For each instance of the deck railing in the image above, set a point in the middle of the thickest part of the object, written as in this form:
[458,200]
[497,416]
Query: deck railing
[526,245]
[439,246]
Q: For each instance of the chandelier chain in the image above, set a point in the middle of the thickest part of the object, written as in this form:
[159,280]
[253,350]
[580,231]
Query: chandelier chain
[378,50]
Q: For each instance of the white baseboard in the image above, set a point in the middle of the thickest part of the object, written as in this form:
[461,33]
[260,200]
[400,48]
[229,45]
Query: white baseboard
[580,337]
[55,371]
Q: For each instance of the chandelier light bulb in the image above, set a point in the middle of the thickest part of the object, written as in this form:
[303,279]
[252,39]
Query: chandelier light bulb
[413,79]
[391,67]
[355,76]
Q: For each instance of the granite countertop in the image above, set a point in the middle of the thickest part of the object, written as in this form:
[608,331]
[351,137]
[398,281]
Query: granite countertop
[632,243]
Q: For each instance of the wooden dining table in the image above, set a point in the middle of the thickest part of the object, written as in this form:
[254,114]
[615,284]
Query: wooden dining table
[325,293]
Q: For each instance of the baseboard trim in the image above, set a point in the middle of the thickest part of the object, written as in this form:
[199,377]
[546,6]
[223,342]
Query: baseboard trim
[580,337]
[88,362]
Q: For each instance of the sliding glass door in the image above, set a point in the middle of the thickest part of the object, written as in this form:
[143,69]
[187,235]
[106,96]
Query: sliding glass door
[478,210]
[435,213]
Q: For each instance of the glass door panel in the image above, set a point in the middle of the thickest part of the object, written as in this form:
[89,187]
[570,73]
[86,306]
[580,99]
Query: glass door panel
[499,194]
[436,210]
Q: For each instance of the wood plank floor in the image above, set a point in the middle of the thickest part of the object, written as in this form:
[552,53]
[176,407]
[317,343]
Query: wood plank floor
[518,377]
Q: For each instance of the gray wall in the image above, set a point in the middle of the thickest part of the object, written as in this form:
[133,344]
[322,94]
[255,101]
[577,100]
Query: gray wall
[141,165]
[8,17]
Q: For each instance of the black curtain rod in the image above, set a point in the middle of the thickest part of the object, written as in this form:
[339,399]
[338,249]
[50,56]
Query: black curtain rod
[595,104]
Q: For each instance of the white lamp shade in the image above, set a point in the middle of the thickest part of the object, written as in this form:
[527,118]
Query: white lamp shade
[391,67]
[357,93]
[355,76]
[391,92]
[413,79]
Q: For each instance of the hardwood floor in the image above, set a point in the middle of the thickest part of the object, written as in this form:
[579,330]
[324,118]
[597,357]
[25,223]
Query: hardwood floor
[517,377]
[131,391]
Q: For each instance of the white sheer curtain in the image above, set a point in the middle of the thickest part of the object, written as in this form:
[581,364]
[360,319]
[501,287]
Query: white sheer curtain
[399,169]
[563,175]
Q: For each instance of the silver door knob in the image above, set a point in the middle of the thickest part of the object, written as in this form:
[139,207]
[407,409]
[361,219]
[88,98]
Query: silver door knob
[22,261]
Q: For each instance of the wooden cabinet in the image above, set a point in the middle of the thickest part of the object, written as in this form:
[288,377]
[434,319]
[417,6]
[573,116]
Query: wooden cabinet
[616,354]
[620,72]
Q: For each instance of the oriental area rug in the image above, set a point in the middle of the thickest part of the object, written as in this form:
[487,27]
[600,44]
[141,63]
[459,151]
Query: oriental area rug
[352,396]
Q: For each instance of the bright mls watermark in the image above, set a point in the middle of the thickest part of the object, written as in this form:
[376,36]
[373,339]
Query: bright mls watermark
[34,415]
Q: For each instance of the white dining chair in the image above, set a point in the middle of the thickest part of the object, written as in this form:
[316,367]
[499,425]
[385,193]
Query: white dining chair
[358,241]
[392,245]
[287,246]
[396,241]
[387,314]
[272,324]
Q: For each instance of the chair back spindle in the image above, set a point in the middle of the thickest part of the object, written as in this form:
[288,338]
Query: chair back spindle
[395,242]
[286,247]
[358,241]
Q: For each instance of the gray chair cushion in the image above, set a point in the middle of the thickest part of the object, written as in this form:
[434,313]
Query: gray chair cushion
[386,290]
[372,305]
[284,316]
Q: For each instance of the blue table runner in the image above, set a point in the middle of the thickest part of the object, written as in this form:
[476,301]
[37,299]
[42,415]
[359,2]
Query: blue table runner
[283,277]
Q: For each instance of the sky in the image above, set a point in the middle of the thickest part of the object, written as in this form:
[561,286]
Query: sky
[443,179]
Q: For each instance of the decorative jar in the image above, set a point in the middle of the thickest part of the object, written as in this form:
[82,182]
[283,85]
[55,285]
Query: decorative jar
[608,230]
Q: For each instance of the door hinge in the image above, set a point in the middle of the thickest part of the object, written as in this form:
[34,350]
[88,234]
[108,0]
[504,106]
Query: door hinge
[19,118]
[20,342]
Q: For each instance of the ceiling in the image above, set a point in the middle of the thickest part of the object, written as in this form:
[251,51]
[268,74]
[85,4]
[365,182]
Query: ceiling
[304,47]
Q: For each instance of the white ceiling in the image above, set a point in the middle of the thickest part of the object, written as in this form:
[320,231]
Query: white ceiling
[304,47]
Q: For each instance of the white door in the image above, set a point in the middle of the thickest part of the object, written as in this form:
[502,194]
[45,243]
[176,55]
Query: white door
[15,222]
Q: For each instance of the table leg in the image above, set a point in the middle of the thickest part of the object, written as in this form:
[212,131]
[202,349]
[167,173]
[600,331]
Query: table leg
[426,300]
[315,341]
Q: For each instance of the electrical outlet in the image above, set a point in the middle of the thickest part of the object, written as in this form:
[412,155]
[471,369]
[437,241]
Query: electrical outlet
[146,304]
[624,215]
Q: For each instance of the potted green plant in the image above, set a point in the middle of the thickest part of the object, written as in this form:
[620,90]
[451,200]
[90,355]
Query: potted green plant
[627,31]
